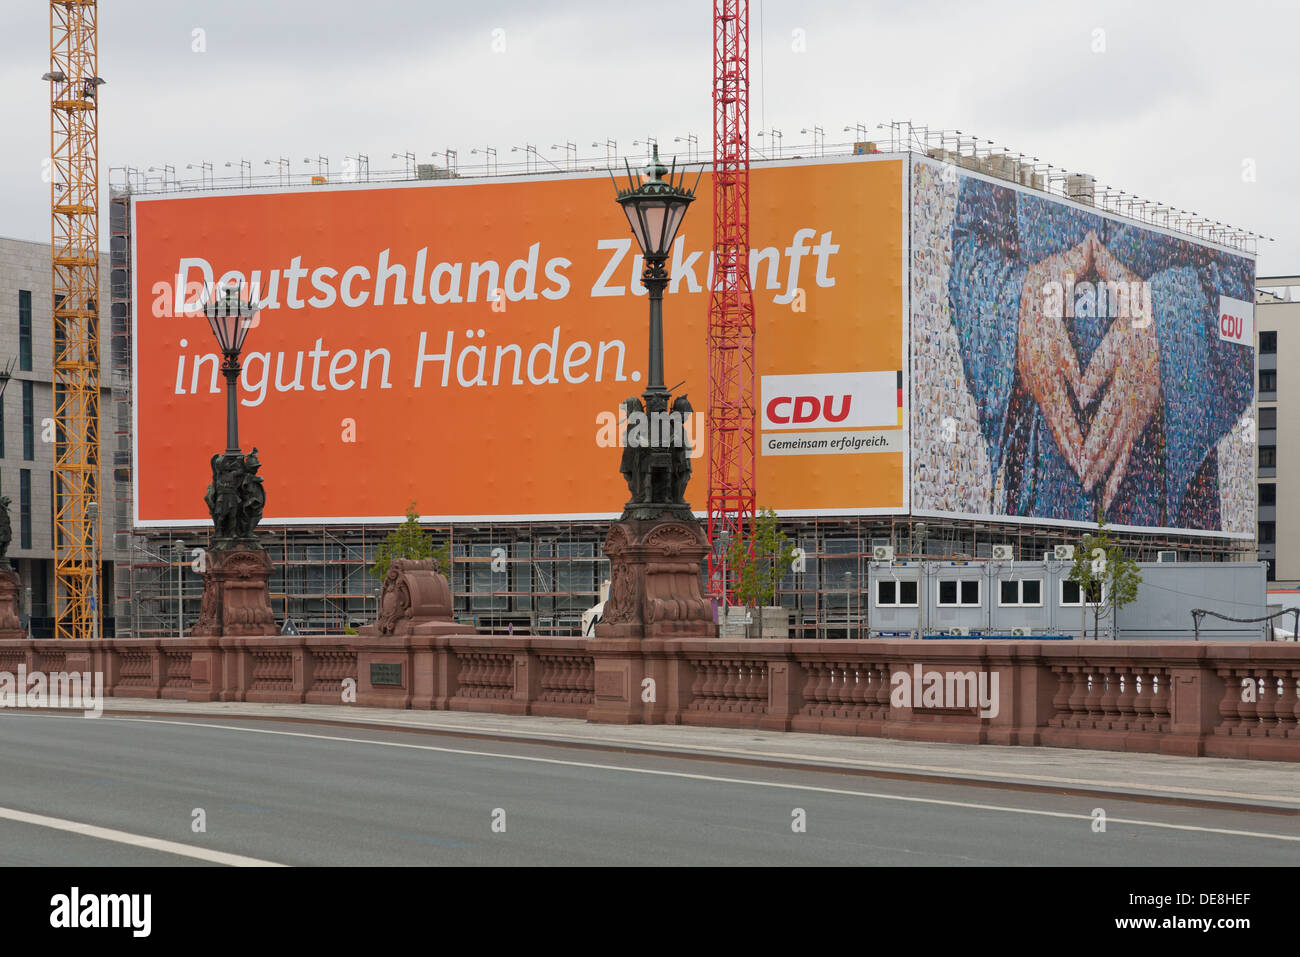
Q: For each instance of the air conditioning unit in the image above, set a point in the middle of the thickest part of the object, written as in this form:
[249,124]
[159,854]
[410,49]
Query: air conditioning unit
[1020,631]
[1166,556]
[958,631]
[883,553]
[1063,553]
[1004,553]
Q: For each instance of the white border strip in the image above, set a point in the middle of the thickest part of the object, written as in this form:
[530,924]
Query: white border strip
[134,840]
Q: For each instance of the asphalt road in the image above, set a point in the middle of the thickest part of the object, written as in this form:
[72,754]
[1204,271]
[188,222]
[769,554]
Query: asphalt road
[107,791]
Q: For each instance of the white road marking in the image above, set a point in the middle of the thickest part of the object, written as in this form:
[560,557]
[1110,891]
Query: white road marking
[815,762]
[718,779]
[135,840]
[803,759]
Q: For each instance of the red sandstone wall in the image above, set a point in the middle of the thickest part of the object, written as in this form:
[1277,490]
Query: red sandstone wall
[1226,699]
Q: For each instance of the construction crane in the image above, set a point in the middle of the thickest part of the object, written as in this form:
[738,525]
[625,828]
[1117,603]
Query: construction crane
[74,257]
[731,301]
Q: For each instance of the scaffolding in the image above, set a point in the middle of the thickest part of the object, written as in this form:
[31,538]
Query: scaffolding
[539,578]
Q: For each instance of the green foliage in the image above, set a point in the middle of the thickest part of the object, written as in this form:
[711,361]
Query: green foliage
[349,630]
[758,570]
[1101,569]
[409,540]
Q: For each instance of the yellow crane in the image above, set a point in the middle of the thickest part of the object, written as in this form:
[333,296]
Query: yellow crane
[74,258]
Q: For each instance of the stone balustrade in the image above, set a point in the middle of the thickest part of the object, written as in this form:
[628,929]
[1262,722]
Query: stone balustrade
[1226,699]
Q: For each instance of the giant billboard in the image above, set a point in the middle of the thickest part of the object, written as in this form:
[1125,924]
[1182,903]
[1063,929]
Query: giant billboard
[1068,363]
[467,344]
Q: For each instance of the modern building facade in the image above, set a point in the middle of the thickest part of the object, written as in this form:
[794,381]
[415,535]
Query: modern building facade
[27,432]
[1277,330]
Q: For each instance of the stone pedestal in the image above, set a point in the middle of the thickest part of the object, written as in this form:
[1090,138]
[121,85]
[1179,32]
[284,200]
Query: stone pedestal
[414,608]
[655,585]
[11,588]
[415,600]
[236,599]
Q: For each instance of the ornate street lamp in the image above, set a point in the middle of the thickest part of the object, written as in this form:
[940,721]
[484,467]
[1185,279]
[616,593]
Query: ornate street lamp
[656,549]
[655,210]
[236,598]
[231,318]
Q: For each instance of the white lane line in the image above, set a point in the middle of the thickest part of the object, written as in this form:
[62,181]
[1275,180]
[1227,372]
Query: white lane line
[135,840]
[834,762]
[803,759]
[721,780]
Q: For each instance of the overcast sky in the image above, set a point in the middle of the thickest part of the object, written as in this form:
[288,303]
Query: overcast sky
[1185,100]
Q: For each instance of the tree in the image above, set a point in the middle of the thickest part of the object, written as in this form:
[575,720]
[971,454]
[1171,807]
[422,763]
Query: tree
[758,568]
[409,540]
[1107,579]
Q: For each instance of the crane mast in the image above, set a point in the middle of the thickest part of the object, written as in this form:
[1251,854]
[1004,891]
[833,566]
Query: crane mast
[731,302]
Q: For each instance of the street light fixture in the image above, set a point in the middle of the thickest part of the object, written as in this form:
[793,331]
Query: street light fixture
[648,141]
[570,152]
[655,210]
[489,158]
[322,165]
[282,163]
[529,150]
[243,165]
[231,318]
[408,159]
[164,170]
[819,139]
[773,135]
[692,144]
[205,172]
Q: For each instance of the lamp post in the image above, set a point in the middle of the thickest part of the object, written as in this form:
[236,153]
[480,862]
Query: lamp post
[282,166]
[658,536]
[231,318]
[655,210]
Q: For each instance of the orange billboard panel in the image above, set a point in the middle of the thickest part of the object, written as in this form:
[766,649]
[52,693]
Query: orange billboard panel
[467,344]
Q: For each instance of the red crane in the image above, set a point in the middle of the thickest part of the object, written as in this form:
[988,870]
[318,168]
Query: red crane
[731,302]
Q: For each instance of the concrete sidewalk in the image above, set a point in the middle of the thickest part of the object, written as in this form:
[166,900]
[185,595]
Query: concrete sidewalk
[1269,783]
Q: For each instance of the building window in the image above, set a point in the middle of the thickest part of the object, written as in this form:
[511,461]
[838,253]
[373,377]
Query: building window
[1070,593]
[25,507]
[896,593]
[1020,591]
[1268,456]
[1268,417]
[1267,533]
[1268,342]
[1268,494]
[960,593]
[29,423]
[58,330]
[1267,380]
[24,330]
